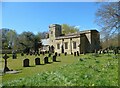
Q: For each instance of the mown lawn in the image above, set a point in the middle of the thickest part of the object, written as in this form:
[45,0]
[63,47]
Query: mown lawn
[68,71]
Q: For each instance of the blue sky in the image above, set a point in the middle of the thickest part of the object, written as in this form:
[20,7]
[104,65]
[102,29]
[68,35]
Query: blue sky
[37,16]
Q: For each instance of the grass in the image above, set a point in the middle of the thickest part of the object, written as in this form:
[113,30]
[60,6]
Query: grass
[92,70]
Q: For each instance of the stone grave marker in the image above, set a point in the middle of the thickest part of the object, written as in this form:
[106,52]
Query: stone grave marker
[22,54]
[71,53]
[37,61]
[55,53]
[49,55]
[54,58]
[45,60]
[26,63]
[5,57]
[74,53]
[14,55]
[65,53]
[30,53]
[43,53]
[77,53]
[59,54]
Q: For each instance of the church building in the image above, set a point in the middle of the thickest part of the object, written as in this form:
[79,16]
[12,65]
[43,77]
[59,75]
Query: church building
[83,42]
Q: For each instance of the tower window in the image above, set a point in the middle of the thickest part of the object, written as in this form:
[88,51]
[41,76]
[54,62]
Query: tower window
[66,45]
[74,45]
[51,32]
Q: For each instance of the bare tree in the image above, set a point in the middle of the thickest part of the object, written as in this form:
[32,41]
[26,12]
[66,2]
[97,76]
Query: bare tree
[108,17]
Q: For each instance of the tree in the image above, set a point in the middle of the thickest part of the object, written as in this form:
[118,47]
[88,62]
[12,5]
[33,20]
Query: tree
[9,38]
[66,29]
[26,41]
[108,17]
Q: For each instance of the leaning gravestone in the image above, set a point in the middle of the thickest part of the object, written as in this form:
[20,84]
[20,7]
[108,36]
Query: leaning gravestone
[26,63]
[37,61]
[46,60]
[54,58]
[74,53]
[77,53]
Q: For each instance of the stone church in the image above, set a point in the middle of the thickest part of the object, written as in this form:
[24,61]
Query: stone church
[82,42]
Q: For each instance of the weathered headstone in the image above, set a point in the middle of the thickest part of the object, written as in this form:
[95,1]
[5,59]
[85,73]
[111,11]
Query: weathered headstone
[65,53]
[14,55]
[54,58]
[59,54]
[46,60]
[43,53]
[5,58]
[22,54]
[38,54]
[30,53]
[77,53]
[26,63]
[55,53]
[71,53]
[49,55]
[74,53]
[37,61]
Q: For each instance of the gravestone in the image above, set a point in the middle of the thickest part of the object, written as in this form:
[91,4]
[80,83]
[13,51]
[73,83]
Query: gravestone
[49,55]
[71,53]
[46,60]
[65,53]
[74,53]
[54,58]
[43,53]
[22,54]
[37,61]
[59,54]
[77,53]
[14,55]
[55,53]
[30,53]
[5,57]
[38,54]
[26,63]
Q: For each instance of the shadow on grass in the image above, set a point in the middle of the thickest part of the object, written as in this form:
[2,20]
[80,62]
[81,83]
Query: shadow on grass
[57,61]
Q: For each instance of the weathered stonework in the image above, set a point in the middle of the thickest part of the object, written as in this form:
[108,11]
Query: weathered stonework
[83,41]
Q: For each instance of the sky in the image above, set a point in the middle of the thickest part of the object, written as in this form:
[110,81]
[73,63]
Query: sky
[37,16]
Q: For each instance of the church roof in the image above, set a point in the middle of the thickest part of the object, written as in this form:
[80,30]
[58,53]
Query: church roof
[74,35]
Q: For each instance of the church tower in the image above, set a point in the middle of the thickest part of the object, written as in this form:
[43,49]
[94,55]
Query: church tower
[54,31]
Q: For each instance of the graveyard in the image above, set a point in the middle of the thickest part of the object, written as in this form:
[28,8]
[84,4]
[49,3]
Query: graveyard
[61,70]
